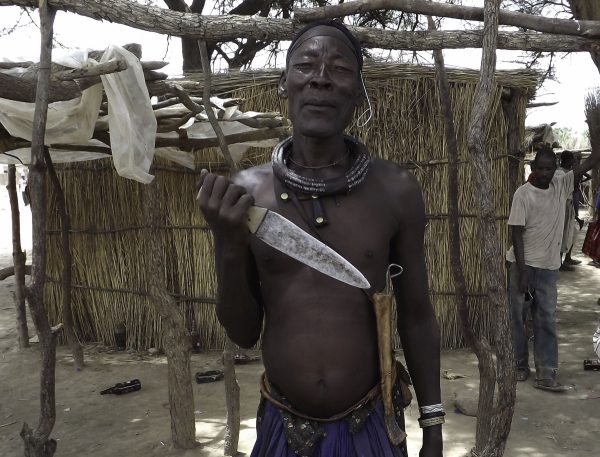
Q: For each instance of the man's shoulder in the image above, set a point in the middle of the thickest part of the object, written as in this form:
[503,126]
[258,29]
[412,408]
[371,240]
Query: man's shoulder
[254,177]
[395,178]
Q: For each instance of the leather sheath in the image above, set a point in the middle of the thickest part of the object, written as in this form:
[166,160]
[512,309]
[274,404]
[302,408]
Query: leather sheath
[382,304]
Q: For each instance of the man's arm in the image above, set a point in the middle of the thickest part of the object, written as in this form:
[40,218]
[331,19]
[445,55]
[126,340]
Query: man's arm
[590,163]
[417,323]
[517,238]
[224,206]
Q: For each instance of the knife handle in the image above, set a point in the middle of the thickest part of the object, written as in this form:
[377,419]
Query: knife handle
[254,217]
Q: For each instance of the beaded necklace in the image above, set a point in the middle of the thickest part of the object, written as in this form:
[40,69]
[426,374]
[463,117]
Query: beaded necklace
[319,187]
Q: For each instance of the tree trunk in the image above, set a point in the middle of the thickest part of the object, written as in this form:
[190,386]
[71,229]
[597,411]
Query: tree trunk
[189,47]
[65,226]
[232,389]
[36,442]
[590,29]
[491,437]
[18,260]
[231,27]
[481,349]
[177,344]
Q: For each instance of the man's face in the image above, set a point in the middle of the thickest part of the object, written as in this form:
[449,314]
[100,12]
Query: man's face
[544,169]
[322,86]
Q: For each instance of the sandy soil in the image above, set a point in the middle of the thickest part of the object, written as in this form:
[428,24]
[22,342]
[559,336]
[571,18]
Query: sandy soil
[544,424]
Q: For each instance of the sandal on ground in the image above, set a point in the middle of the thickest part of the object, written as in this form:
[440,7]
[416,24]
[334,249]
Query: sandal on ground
[522,374]
[549,384]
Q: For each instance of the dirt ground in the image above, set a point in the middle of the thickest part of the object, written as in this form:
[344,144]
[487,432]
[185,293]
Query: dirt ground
[545,424]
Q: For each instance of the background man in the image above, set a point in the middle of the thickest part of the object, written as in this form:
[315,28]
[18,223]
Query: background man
[537,218]
[319,340]
[567,160]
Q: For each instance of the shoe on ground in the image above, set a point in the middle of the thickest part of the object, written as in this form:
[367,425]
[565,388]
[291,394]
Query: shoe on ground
[522,374]
[549,384]
[566,267]
[572,262]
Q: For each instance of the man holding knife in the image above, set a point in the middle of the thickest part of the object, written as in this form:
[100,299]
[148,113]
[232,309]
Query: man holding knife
[321,394]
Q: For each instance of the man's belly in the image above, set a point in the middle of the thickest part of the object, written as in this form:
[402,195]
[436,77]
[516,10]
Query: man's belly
[322,361]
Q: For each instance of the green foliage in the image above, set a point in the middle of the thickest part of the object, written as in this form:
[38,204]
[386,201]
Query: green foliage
[570,139]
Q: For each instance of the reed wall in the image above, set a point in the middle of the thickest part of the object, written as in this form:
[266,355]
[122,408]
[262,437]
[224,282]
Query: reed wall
[107,240]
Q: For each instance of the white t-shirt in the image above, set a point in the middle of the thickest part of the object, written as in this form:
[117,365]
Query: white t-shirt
[542,213]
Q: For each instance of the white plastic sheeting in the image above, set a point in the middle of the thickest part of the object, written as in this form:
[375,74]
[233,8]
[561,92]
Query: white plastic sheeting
[69,122]
[130,117]
[131,121]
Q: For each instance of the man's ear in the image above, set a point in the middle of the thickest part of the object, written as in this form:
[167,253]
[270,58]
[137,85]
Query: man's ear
[281,87]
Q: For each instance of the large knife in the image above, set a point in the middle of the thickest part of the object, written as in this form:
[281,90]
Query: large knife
[285,236]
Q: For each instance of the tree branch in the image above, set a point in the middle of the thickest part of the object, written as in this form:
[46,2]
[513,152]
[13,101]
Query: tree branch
[101,69]
[229,27]
[590,29]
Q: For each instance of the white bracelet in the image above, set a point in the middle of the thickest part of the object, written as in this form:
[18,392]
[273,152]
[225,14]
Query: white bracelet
[431,409]
[430,422]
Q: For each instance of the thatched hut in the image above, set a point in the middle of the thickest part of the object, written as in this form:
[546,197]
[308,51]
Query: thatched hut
[107,239]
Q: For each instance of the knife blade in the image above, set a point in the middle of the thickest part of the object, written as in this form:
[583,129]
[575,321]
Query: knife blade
[285,236]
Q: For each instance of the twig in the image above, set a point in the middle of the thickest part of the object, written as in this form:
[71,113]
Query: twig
[101,69]
[537,105]
[10,423]
[209,112]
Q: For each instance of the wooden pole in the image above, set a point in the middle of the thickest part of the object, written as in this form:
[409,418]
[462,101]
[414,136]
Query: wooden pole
[514,139]
[36,442]
[232,27]
[65,226]
[481,349]
[491,436]
[590,29]
[18,260]
[460,284]
[177,344]
[232,388]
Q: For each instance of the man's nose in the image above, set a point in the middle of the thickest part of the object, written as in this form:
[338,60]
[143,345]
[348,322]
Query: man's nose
[321,77]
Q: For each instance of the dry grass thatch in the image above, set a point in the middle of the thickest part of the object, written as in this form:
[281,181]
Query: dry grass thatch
[407,127]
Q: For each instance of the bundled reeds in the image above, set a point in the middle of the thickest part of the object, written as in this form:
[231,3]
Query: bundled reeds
[105,210]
